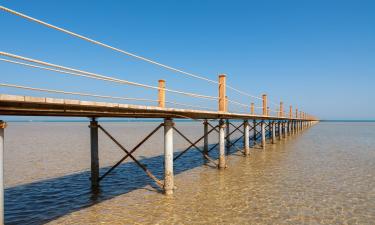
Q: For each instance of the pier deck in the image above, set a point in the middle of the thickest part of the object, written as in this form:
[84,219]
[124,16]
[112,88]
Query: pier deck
[40,106]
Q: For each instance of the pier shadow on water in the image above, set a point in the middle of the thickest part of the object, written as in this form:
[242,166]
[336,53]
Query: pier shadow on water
[42,201]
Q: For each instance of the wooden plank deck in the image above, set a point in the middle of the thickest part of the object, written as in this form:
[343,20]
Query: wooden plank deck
[39,106]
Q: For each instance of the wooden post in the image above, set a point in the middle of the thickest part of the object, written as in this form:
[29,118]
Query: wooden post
[268,111]
[168,156]
[281,109]
[263,127]
[161,92]
[246,137]
[221,144]
[3,125]
[94,153]
[280,129]
[205,141]
[264,104]
[290,112]
[252,109]
[273,132]
[222,93]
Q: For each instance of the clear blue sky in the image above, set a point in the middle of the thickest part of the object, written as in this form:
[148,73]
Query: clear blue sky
[319,55]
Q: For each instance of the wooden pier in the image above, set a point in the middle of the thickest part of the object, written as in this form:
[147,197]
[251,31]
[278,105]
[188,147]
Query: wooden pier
[256,130]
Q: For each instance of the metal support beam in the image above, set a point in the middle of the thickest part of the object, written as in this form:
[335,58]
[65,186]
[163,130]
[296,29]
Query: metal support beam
[168,156]
[246,137]
[263,128]
[222,163]
[2,128]
[94,153]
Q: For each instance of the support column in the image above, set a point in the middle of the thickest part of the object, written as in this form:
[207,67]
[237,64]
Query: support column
[285,129]
[263,127]
[221,144]
[94,153]
[205,140]
[168,156]
[246,137]
[280,130]
[2,128]
[227,141]
[255,132]
[273,132]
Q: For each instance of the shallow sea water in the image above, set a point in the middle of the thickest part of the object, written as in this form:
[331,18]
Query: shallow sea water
[324,175]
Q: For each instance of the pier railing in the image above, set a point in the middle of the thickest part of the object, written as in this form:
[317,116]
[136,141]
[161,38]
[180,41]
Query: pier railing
[250,104]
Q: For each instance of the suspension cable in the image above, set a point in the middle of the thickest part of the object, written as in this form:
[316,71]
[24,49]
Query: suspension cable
[104,45]
[75,93]
[76,72]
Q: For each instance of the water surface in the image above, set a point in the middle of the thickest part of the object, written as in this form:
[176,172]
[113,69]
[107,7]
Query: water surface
[324,175]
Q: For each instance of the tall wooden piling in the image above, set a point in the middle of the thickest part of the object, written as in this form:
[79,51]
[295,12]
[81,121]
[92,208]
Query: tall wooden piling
[161,94]
[168,156]
[2,128]
[94,143]
[222,93]
[221,144]
[246,137]
[281,109]
[252,109]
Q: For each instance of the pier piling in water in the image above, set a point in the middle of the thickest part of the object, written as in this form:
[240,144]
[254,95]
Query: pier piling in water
[246,137]
[94,143]
[273,134]
[168,156]
[2,132]
[205,139]
[222,162]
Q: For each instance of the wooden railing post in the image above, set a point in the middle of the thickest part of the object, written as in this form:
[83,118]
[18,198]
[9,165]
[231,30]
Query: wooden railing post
[264,101]
[290,112]
[161,92]
[281,109]
[222,93]
[296,113]
[252,108]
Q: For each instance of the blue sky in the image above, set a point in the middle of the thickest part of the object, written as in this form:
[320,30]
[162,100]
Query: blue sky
[317,55]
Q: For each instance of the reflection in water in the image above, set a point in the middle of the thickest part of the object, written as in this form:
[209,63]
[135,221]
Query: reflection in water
[322,176]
